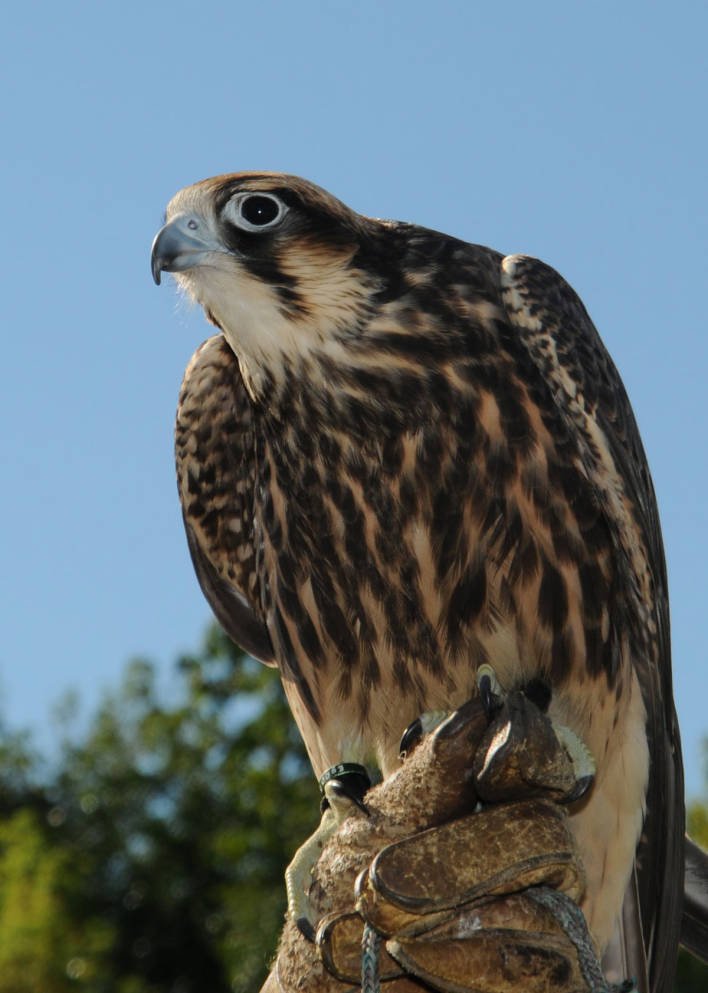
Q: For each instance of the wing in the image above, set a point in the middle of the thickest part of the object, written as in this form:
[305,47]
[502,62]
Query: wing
[555,332]
[214,447]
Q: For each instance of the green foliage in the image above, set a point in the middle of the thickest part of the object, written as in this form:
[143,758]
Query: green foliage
[164,837]
[697,824]
[692,975]
[40,949]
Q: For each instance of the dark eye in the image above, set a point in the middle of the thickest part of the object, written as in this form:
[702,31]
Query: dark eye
[259,210]
[255,211]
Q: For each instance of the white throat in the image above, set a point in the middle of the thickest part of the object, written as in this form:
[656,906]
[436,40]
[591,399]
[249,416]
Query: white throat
[268,341]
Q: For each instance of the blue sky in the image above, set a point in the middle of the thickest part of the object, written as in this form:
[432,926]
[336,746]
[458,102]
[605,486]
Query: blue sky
[572,132]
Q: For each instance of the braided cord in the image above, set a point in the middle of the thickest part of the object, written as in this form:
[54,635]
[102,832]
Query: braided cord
[370,949]
[571,919]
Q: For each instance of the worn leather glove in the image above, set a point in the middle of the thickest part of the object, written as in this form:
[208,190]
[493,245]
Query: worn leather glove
[462,872]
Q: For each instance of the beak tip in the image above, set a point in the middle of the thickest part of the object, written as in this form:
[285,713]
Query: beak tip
[156,260]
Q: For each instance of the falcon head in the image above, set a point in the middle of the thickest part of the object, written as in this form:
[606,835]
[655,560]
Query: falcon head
[279,265]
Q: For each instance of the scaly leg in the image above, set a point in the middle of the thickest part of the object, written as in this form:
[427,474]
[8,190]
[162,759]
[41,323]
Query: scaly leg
[338,803]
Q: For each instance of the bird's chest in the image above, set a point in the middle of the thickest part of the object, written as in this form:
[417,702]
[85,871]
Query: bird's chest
[339,517]
[392,565]
[374,563]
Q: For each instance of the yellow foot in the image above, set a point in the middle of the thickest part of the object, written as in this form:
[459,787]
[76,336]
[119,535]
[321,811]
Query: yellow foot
[492,695]
[338,805]
[580,757]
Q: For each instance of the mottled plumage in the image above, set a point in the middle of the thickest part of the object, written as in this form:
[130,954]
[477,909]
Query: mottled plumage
[406,456]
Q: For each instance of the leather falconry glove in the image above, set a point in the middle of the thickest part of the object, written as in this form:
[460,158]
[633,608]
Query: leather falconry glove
[460,874]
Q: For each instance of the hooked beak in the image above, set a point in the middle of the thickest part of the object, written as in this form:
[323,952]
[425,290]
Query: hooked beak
[181,244]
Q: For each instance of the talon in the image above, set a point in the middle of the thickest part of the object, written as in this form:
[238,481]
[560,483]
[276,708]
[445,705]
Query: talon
[341,797]
[581,788]
[418,728]
[490,690]
[306,929]
[353,779]
[410,737]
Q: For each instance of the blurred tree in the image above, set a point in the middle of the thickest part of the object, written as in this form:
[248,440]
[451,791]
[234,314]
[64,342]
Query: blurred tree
[170,825]
[692,975]
[40,948]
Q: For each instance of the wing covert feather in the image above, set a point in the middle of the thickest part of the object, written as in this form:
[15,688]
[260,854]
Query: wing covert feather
[215,477]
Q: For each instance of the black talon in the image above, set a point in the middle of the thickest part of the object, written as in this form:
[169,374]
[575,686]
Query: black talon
[490,701]
[410,737]
[352,788]
[352,774]
[306,929]
[579,790]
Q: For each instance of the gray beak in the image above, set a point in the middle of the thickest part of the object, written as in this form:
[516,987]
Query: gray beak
[181,244]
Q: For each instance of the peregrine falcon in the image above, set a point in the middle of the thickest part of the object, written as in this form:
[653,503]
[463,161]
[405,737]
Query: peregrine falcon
[405,456]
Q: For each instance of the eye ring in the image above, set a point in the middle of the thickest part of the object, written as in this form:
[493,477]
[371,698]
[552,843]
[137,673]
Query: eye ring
[255,211]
